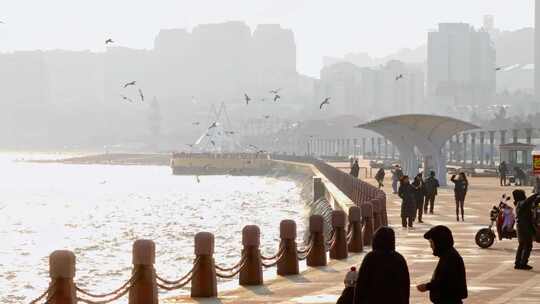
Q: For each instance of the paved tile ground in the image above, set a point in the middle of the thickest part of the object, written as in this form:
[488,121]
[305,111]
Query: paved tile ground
[490,274]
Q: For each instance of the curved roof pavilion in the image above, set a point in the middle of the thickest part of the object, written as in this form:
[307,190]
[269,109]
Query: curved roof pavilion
[428,133]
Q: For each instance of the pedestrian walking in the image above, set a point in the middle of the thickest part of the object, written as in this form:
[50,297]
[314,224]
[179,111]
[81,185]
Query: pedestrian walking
[526,229]
[355,169]
[461,186]
[383,276]
[431,184]
[347,295]
[449,282]
[397,174]
[419,190]
[503,169]
[408,202]
[379,177]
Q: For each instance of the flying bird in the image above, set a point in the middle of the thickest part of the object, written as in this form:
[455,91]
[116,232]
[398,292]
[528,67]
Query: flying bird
[266,116]
[130,84]
[326,101]
[277,97]
[198,179]
[498,68]
[109,41]
[190,145]
[247,98]
[141,94]
[213,143]
[126,98]
[254,147]
[213,125]
[196,123]
[229,132]
[275,92]
[398,77]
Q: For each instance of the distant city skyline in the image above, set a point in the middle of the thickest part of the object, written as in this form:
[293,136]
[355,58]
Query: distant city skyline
[321,28]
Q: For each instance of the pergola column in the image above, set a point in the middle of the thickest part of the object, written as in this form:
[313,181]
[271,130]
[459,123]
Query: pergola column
[482,139]
[473,148]
[491,147]
[465,136]
[528,134]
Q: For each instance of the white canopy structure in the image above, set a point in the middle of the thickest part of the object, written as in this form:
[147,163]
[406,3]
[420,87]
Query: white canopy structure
[428,133]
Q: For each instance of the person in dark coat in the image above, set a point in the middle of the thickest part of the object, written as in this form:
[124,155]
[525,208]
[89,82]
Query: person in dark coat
[526,229]
[503,169]
[355,169]
[383,276]
[408,205]
[347,296]
[379,177]
[461,186]
[449,282]
[431,184]
[419,191]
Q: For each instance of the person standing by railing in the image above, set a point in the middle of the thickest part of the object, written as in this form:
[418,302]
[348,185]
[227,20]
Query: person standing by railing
[355,169]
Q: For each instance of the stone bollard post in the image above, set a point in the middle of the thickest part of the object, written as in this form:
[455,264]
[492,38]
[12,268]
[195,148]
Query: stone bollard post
[355,228]
[317,256]
[289,263]
[62,272]
[204,282]
[252,274]
[144,290]
[339,250]
[367,216]
[318,188]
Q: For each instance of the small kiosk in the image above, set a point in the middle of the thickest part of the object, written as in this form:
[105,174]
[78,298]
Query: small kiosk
[518,155]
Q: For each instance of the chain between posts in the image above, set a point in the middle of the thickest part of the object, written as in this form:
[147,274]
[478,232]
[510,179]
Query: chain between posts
[43,295]
[118,293]
[307,247]
[169,282]
[240,266]
[278,259]
[242,260]
[280,252]
[86,293]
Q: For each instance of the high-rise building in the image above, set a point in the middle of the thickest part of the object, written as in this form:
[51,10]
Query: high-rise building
[461,65]
[537,50]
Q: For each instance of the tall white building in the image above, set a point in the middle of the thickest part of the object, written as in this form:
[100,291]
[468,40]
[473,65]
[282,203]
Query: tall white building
[461,65]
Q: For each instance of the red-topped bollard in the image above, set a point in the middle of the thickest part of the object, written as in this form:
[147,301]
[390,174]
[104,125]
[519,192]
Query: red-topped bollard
[252,273]
[317,255]
[367,217]
[288,264]
[356,243]
[62,272]
[144,290]
[338,249]
[204,282]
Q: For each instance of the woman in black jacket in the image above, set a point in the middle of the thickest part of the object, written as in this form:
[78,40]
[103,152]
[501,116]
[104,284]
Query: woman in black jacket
[461,185]
[383,276]
[449,282]
[419,191]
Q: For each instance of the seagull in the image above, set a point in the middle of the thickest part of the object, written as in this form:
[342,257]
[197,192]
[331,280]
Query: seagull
[398,77]
[130,84]
[196,123]
[126,98]
[326,101]
[109,41]
[277,97]
[229,132]
[213,125]
[498,68]
[247,98]
[141,94]
[213,143]
[190,145]
[275,92]
[266,116]
[197,178]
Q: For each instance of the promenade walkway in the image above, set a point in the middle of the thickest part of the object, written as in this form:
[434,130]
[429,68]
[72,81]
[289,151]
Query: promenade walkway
[490,274]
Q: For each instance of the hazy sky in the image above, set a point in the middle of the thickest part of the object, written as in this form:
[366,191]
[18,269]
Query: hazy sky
[322,27]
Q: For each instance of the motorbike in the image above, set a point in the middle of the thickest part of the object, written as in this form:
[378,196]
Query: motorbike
[500,213]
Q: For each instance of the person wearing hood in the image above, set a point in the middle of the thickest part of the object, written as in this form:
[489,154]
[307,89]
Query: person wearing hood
[408,204]
[379,177]
[383,276]
[449,283]
[355,169]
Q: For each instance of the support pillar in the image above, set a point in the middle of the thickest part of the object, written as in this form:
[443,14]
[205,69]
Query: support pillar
[473,149]
[252,273]
[482,145]
[144,288]
[491,147]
